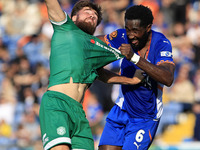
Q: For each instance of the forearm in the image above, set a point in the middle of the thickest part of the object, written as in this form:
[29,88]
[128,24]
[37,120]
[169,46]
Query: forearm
[55,12]
[123,80]
[113,78]
[163,73]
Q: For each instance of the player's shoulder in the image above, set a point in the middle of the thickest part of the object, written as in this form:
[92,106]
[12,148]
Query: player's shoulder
[160,38]
[117,33]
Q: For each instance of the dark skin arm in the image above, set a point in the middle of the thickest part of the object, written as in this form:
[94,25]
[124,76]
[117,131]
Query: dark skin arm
[110,77]
[163,73]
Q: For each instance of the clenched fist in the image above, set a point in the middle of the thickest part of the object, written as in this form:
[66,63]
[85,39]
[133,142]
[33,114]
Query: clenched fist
[126,50]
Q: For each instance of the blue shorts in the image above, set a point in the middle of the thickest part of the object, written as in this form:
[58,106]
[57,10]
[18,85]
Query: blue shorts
[129,133]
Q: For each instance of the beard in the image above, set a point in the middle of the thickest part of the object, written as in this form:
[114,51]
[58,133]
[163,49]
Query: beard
[142,41]
[86,27]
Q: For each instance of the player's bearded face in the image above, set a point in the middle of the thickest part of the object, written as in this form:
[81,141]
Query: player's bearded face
[87,27]
[141,41]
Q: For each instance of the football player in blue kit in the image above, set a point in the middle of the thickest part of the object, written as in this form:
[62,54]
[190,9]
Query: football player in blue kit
[132,122]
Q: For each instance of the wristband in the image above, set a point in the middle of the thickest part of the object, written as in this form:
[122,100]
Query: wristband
[135,58]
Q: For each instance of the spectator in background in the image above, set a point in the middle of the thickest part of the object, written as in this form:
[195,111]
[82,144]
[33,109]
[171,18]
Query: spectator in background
[66,6]
[181,97]
[181,9]
[193,34]
[167,10]
[196,110]
[196,82]
[33,51]
[113,14]
[94,111]
[24,78]
[28,132]
[183,90]
[4,61]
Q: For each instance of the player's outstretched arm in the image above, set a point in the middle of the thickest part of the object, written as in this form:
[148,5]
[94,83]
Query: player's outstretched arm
[101,37]
[110,77]
[55,12]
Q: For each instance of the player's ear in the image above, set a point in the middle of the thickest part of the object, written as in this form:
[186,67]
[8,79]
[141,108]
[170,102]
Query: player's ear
[74,18]
[149,27]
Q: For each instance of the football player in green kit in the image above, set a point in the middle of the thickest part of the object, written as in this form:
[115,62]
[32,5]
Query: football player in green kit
[76,60]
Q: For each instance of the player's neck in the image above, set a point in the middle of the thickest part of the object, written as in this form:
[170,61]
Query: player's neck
[144,51]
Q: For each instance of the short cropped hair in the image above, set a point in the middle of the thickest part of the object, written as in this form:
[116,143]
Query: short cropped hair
[86,3]
[140,12]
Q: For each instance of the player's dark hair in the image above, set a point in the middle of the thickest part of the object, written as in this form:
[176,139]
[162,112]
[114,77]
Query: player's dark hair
[85,3]
[143,13]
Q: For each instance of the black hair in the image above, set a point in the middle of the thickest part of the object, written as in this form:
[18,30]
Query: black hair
[85,3]
[140,12]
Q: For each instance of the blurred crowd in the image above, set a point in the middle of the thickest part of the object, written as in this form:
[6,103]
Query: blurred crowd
[25,34]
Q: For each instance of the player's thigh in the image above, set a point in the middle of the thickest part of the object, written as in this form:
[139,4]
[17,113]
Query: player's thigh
[82,136]
[83,140]
[140,134]
[61,147]
[114,129]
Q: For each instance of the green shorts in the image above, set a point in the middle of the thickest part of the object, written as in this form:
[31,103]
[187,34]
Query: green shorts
[63,121]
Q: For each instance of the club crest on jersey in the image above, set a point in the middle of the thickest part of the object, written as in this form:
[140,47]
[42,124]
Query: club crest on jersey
[113,35]
[166,54]
[61,130]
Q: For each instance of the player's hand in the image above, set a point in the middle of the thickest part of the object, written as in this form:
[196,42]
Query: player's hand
[139,74]
[126,50]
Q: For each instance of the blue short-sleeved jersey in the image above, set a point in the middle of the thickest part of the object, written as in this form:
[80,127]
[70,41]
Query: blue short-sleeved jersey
[143,100]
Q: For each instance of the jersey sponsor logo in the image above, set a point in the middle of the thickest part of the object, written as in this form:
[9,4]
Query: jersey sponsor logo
[166,54]
[111,49]
[113,35]
[61,130]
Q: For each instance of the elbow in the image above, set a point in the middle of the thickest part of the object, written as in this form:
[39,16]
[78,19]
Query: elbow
[169,81]
[169,84]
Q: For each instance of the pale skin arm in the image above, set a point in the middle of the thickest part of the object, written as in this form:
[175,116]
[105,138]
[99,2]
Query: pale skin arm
[163,73]
[55,12]
[113,78]
[101,37]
